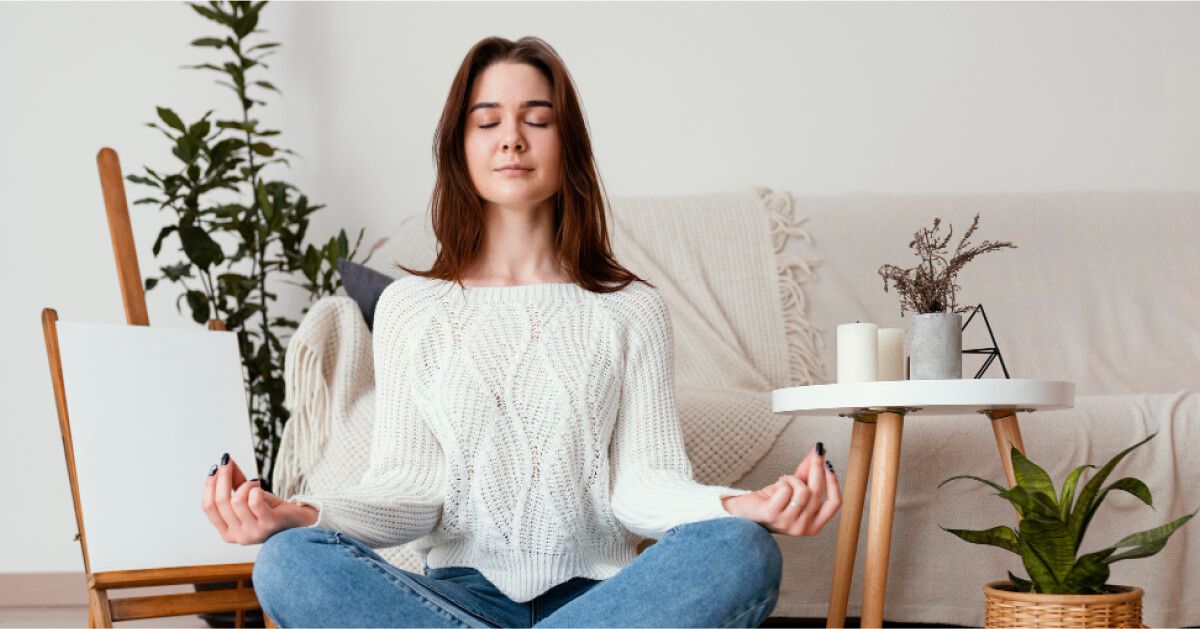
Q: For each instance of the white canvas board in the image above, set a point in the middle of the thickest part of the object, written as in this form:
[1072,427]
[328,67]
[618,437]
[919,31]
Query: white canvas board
[151,410]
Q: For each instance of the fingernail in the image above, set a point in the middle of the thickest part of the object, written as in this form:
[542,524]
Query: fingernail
[212,470]
[225,458]
[820,448]
[252,480]
[829,465]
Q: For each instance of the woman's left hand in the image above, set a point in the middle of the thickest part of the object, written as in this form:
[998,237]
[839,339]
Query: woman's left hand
[796,504]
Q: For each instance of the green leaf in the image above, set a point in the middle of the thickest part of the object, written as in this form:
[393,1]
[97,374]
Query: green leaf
[1145,550]
[199,130]
[264,201]
[1068,489]
[312,261]
[1000,536]
[246,24]
[1021,499]
[186,148]
[178,271]
[198,302]
[1089,573]
[204,66]
[171,119]
[1085,507]
[267,85]
[151,282]
[162,233]
[262,148]
[1037,567]
[221,151]
[333,251]
[161,130]
[199,247]
[1021,584]
[1051,539]
[237,124]
[1047,507]
[212,14]
[1152,535]
[343,244]
[1031,476]
[208,41]
[231,210]
[985,481]
[142,180]
[1131,485]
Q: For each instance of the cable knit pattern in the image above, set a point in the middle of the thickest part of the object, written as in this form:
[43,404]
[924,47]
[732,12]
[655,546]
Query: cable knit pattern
[530,432]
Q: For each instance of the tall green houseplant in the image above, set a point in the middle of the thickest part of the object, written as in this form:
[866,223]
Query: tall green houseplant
[218,192]
[1053,522]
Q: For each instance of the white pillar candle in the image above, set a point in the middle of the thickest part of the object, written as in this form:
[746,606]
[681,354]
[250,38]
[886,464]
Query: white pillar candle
[891,354]
[857,352]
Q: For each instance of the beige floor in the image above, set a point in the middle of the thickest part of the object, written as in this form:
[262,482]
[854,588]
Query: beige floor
[78,617]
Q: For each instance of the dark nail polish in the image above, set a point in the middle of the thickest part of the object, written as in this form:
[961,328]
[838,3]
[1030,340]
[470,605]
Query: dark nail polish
[225,459]
[829,465]
[820,449]
[252,480]
[212,470]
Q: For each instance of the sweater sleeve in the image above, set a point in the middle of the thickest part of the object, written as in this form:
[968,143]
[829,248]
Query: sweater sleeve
[654,490]
[400,496]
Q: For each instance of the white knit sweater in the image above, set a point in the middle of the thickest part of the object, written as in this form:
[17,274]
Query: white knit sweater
[530,432]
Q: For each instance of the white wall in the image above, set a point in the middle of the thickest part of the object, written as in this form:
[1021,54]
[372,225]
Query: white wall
[815,98]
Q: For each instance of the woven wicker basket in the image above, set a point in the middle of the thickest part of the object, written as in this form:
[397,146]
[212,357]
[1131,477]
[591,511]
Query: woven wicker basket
[1005,607]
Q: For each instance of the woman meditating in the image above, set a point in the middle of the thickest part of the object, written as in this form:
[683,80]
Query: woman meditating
[526,434]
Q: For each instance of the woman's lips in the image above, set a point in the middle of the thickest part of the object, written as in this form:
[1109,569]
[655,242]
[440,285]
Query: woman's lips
[515,172]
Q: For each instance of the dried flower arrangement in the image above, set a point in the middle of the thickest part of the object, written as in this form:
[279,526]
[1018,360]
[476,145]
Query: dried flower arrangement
[929,286]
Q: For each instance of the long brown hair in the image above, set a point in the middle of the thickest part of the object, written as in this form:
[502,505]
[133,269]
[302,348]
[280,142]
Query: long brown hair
[580,204]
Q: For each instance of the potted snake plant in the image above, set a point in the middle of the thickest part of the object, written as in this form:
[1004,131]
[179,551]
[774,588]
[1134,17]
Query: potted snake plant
[1064,588]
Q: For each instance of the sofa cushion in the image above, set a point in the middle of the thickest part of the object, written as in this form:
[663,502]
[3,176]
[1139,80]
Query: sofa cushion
[364,285]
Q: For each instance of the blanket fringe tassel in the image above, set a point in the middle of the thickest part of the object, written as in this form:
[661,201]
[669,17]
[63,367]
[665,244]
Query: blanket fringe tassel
[803,338]
[309,426]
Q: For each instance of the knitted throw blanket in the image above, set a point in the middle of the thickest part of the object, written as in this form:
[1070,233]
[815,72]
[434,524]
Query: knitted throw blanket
[737,308]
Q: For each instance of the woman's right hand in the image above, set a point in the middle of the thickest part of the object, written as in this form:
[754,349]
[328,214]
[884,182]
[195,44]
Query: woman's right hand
[248,515]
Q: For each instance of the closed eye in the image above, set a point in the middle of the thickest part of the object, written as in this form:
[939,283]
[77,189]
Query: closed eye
[534,124]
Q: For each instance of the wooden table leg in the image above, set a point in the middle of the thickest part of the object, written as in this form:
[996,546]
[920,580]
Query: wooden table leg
[1008,435]
[854,491]
[885,470]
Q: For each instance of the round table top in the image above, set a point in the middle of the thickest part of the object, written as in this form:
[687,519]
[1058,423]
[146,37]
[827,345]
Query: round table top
[928,397]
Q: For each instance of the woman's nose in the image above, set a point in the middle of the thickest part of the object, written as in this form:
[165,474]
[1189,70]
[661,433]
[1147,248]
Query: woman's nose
[513,139]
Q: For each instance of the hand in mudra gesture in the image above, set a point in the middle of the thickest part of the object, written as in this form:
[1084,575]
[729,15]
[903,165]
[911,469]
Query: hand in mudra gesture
[796,504]
[243,512]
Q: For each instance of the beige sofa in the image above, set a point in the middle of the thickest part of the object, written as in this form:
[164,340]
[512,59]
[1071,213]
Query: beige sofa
[1103,291]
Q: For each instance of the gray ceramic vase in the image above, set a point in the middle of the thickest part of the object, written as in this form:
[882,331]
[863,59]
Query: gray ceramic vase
[935,346]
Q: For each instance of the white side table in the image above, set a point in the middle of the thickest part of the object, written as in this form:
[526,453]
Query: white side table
[880,407]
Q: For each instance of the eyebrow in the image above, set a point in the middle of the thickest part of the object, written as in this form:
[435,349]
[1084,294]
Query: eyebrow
[525,105]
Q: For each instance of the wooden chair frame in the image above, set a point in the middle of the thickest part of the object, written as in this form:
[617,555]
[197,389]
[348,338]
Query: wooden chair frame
[103,611]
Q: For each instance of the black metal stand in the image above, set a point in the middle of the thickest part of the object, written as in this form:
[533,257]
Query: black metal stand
[993,352]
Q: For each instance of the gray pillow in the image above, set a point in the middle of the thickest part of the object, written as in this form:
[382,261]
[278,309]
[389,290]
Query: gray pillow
[363,285]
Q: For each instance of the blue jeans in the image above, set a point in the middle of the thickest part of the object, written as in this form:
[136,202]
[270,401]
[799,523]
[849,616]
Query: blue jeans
[722,572]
